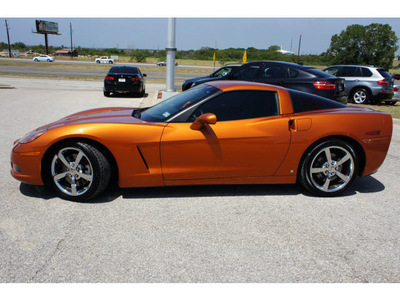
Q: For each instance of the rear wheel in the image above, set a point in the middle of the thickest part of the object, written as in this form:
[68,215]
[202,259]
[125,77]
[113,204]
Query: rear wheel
[360,96]
[329,168]
[106,94]
[78,171]
[390,102]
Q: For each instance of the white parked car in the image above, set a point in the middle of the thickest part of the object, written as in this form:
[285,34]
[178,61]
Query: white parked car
[396,95]
[164,63]
[105,60]
[47,58]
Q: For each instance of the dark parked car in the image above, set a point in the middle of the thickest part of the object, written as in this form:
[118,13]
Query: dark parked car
[293,76]
[219,74]
[124,79]
[364,84]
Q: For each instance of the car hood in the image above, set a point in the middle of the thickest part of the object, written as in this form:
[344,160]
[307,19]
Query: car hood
[100,115]
[198,79]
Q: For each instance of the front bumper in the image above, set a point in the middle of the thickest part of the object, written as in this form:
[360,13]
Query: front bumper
[26,164]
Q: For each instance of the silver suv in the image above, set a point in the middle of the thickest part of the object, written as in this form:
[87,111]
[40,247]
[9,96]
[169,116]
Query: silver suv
[364,84]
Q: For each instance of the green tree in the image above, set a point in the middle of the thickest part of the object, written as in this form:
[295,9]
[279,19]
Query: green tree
[138,56]
[374,44]
[274,48]
[19,46]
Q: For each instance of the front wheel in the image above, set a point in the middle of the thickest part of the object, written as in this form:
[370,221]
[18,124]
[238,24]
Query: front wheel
[329,168]
[77,171]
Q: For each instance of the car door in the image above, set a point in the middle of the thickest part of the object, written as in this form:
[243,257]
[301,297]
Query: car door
[249,139]
[351,75]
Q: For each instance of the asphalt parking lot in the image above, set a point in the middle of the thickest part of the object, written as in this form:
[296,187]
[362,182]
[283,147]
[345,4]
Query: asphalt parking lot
[261,233]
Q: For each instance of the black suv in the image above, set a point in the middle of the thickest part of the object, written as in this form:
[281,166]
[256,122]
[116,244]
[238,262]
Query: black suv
[293,76]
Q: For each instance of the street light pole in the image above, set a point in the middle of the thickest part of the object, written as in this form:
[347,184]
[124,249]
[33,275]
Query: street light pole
[171,50]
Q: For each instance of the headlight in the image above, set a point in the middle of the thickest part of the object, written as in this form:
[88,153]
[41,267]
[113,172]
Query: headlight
[30,137]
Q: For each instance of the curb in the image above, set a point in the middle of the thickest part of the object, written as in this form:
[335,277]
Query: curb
[155,98]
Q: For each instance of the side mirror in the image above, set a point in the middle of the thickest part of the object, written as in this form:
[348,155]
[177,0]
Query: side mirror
[144,75]
[204,119]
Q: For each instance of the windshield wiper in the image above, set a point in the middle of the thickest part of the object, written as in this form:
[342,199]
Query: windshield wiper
[137,113]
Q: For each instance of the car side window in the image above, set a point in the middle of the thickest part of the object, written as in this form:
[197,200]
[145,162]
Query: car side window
[350,72]
[366,72]
[295,73]
[247,72]
[239,105]
[273,71]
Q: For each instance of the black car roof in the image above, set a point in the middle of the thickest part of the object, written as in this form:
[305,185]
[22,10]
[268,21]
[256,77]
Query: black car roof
[308,69]
[300,66]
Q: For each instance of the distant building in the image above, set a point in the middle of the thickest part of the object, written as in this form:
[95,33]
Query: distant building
[284,51]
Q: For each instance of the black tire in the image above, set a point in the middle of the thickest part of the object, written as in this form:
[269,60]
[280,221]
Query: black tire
[77,171]
[360,96]
[329,168]
[106,94]
[143,92]
[390,102]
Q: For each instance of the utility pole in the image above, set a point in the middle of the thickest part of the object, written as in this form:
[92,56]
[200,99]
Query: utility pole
[70,30]
[171,49]
[8,38]
[298,53]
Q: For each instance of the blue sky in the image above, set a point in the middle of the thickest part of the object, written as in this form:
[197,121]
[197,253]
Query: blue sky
[237,28]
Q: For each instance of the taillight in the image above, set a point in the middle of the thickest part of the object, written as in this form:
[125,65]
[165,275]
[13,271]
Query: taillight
[383,82]
[135,78]
[324,85]
[395,89]
[109,78]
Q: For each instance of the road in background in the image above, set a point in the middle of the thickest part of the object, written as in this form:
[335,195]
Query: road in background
[260,233]
[39,69]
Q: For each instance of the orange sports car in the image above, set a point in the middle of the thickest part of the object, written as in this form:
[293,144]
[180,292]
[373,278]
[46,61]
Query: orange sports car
[223,132]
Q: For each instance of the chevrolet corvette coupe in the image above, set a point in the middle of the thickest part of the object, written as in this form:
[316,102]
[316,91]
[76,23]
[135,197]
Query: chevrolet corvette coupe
[222,132]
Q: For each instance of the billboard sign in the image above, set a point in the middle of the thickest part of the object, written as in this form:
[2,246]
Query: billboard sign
[46,27]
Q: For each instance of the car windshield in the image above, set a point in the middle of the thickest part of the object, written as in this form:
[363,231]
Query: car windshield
[172,106]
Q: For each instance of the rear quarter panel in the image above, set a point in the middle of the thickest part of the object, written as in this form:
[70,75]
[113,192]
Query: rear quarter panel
[371,130]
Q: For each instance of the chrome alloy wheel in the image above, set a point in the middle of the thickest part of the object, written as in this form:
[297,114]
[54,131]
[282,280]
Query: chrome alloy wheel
[331,169]
[72,171]
[360,96]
